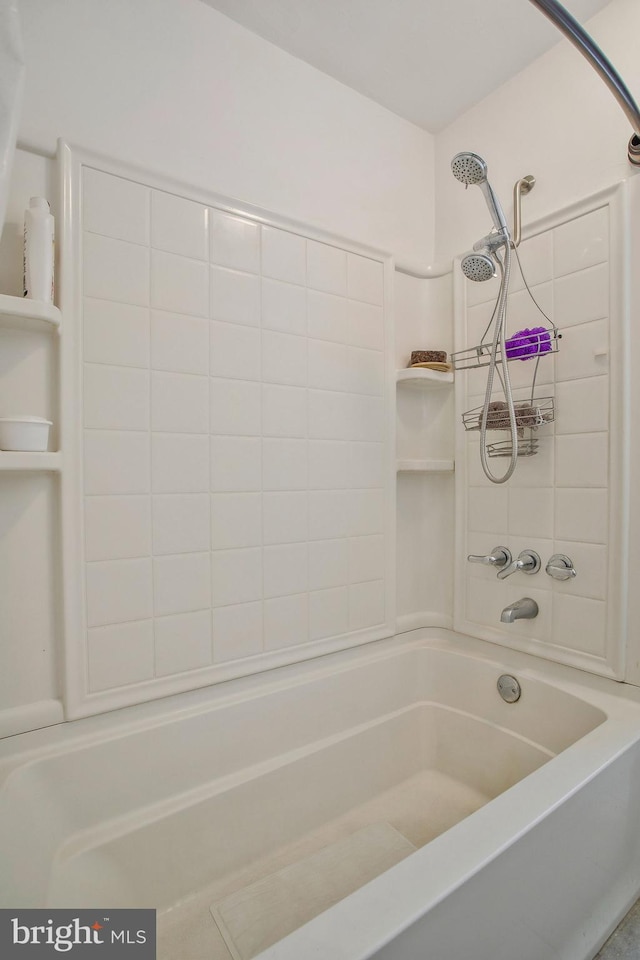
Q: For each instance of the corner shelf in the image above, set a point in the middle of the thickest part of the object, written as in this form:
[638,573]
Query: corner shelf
[13,461]
[425,466]
[421,377]
[25,314]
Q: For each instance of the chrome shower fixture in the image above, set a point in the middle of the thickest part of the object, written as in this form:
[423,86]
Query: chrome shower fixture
[471,169]
[480,264]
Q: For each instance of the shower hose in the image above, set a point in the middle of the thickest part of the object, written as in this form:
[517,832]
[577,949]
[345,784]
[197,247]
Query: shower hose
[499,345]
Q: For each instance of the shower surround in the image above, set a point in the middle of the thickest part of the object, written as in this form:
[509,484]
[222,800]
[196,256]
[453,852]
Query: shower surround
[570,498]
[230,504]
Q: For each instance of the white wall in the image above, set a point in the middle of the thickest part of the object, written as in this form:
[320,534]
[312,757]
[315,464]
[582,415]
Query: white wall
[176,87]
[555,120]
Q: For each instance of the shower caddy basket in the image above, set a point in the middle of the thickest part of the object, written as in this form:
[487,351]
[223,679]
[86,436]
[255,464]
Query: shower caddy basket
[530,414]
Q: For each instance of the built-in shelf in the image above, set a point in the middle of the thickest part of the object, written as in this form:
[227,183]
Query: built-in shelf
[425,466]
[421,377]
[26,314]
[30,462]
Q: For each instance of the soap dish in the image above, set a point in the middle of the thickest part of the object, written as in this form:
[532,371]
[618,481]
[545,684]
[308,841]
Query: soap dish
[434,365]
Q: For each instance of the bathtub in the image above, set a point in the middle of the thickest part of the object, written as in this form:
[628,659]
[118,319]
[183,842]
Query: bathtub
[480,828]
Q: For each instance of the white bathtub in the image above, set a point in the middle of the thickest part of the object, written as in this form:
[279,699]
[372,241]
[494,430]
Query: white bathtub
[525,817]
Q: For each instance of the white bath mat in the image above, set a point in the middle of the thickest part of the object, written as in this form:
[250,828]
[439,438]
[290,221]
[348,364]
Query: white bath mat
[264,912]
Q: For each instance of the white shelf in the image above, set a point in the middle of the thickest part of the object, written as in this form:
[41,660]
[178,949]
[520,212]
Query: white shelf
[421,377]
[31,462]
[25,314]
[425,466]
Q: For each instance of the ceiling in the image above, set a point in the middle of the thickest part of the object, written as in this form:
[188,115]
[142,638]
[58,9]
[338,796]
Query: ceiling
[426,60]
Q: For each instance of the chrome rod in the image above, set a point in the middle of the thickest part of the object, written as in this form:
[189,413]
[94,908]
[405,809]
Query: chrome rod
[579,37]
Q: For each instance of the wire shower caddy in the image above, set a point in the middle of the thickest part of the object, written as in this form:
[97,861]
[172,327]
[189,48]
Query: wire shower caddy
[530,414]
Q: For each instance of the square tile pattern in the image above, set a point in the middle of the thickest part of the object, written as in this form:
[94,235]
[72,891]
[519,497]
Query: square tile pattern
[558,500]
[234,444]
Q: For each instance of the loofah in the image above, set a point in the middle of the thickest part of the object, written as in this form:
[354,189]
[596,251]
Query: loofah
[498,417]
[528,343]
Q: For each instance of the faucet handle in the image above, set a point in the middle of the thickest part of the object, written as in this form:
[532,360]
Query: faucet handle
[560,567]
[499,557]
[528,561]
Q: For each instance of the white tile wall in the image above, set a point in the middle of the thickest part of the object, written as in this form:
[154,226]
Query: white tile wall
[234,437]
[180,523]
[236,520]
[118,590]
[328,613]
[116,462]
[235,297]
[237,576]
[179,343]
[181,583]
[284,307]
[179,226]
[326,268]
[235,408]
[179,403]
[179,284]
[182,642]
[117,528]
[284,255]
[558,500]
[179,463]
[120,654]
[115,270]
[286,621]
[115,398]
[237,631]
[581,242]
[235,242]
[116,333]
[115,207]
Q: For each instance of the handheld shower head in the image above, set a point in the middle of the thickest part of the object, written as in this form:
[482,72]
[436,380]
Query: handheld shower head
[478,266]
[480,263]
[469,168]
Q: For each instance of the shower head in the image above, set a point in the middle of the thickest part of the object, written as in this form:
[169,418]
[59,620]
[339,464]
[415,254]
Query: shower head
[469,168]
[480,263]
[478,266]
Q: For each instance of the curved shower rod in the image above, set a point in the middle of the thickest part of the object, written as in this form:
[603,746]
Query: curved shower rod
[579,37]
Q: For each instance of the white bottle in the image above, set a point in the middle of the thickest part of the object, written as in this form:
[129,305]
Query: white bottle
[38,251]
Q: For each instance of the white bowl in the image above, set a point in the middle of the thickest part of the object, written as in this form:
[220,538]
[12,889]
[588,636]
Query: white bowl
[24,433]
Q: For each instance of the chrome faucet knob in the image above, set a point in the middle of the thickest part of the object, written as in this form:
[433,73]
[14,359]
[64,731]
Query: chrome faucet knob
[499,557]
[560,567]
[528,561]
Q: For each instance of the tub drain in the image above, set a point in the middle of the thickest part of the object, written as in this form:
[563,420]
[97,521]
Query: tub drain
[509,688]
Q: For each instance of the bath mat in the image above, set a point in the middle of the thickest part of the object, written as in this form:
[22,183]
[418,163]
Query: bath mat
[255,917]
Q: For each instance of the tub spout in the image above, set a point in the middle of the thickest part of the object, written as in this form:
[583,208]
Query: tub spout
[525,609]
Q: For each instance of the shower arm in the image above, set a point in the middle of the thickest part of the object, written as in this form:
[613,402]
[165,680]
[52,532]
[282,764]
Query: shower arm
[579,37]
